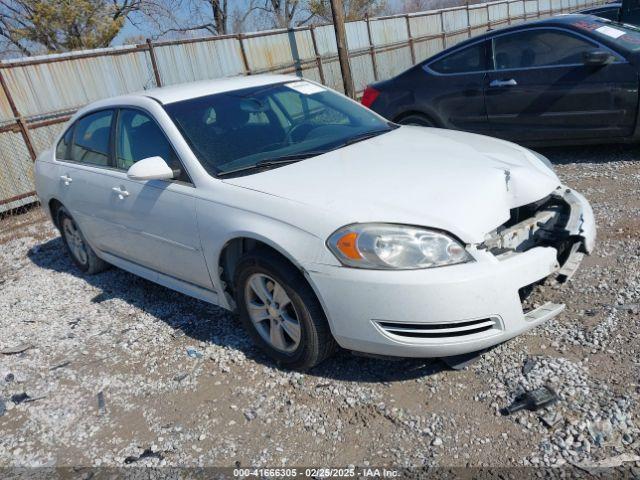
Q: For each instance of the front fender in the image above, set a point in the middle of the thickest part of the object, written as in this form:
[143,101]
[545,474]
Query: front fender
[220,224]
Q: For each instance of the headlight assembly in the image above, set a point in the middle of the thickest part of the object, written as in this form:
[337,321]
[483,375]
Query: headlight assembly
[389,246]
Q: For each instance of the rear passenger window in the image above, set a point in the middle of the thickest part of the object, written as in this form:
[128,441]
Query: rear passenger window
[139,137]
[62,150]
[467,60]
[91,139]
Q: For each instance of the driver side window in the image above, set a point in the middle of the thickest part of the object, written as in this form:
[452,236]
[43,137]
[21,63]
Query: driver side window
[139,137]
[539,48]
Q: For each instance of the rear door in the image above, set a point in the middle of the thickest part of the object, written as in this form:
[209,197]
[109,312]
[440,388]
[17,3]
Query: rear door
[84,156]
[454,88]
[540,89]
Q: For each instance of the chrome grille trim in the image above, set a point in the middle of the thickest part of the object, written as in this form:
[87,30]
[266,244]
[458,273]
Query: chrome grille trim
[440,330]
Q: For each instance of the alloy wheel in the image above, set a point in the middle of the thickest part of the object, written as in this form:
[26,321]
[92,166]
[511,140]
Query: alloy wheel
[272,313]
[74,240]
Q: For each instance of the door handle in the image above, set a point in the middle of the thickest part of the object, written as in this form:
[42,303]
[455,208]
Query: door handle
[503,83]
[121,192]
[66,179]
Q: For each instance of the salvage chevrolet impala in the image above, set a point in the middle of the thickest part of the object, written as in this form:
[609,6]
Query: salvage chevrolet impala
[319,222]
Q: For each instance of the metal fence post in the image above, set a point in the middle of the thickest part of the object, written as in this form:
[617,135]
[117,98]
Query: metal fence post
[243,53]
[372,50]
[316,52]
[19,120]
[444,35]
[154,64]
[468,21]
[412,48]
[488,17]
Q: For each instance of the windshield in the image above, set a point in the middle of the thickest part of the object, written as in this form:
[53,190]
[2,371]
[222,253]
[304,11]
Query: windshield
[622,34]
[262,127]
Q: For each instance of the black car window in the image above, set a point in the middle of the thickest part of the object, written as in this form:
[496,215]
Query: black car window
[62,149]
[467,60]
[139,137]
[91,139]
[539,48]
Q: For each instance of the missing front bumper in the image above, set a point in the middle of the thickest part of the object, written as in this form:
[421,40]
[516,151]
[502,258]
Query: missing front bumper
[563,220]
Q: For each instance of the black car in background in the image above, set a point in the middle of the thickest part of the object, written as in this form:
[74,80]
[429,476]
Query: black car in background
[567,79]
[610,11]
[627,11]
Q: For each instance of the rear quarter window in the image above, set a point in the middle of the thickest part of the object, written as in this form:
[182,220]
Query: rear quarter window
[467,60]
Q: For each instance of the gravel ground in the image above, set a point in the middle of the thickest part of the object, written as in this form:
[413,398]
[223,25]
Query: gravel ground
[110,382]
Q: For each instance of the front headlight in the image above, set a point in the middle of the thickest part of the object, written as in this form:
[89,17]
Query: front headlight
[388,246]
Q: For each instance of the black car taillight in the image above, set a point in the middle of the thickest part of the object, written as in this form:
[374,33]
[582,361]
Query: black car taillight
[369,96]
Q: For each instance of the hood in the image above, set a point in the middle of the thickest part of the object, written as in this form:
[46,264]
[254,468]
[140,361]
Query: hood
[454,181]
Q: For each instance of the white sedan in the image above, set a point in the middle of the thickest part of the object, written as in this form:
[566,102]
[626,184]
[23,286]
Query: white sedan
[319,222]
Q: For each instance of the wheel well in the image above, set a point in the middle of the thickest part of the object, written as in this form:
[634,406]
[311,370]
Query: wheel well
[233,251]
[54,206]
[416,113]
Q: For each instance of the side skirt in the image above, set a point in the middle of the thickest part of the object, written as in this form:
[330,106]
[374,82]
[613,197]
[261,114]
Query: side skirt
[160,278]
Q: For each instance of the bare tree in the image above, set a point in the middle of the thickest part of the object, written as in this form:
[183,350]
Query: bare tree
[411,6]
[215,17]
[353,9]
[285,13]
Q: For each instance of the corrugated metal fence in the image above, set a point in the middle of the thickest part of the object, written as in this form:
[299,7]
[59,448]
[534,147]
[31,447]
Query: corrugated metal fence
[38,94]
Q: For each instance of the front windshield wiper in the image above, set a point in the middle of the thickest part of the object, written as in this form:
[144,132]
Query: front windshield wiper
[363,136]
[271,162]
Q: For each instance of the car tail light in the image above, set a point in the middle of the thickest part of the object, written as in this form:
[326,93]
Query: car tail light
[369,96]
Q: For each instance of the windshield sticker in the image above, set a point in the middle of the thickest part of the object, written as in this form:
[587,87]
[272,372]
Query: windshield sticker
[305,88]
[610,31]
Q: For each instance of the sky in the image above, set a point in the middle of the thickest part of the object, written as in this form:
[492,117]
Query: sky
[130,30]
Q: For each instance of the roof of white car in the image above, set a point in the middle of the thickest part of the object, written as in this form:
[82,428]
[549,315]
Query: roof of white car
[186,91]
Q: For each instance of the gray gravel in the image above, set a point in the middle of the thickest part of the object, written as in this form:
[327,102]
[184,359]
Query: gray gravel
[119,371]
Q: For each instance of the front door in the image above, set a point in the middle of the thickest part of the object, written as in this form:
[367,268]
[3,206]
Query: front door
[540,89]
[156,218]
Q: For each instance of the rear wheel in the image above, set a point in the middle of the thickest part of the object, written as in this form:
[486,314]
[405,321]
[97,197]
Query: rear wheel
[416,120]
[81,253]
[281,312]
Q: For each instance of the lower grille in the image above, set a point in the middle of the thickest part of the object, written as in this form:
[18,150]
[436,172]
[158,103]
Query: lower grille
[439,330]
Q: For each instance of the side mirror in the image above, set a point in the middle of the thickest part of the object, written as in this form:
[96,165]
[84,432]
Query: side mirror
[597,58]
[152,168]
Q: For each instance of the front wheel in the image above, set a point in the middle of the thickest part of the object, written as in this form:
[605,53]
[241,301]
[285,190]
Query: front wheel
[281,312]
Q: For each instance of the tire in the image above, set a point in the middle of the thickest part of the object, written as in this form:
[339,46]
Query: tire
[81,253]
[282,282]
[417,120]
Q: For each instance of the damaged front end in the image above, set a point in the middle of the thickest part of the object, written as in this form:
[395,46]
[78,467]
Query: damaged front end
[562,220]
